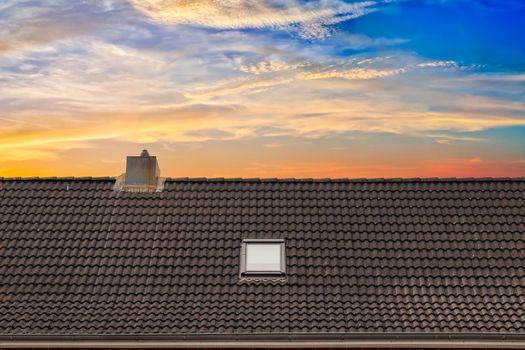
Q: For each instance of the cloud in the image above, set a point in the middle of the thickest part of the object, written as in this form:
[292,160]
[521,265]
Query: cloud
[360,41]
[475,160]
[85,75]
[235,87]
[352,74]
[273,145]
[446,139]
[435,64]
[199,86]
[35,140]
[29,24]
[366,69]
[29,33]
[311,17]
[299,95]
[272,66]
[265,77]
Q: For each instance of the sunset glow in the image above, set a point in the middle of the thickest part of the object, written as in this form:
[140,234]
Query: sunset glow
[266,88]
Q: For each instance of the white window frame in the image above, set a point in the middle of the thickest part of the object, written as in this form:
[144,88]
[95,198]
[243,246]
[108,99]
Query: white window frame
[244,272]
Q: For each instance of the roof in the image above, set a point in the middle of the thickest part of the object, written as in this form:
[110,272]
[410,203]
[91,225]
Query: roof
[403,257]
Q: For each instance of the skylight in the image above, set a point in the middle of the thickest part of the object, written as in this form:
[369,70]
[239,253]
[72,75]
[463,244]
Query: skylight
[263,257]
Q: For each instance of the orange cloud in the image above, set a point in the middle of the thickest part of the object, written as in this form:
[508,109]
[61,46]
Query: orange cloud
[475,160]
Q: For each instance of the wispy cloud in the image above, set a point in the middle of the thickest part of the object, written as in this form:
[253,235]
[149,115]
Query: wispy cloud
[352,74]
[360,41]
[29,33]
[311,17]
[475,160]
[235,87]
[365,69]
[26,24]
[271,66]
[435,64]
[447,139]
[131,95]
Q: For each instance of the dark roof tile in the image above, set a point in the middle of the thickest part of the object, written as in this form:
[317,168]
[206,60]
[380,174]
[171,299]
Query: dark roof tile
[381,255]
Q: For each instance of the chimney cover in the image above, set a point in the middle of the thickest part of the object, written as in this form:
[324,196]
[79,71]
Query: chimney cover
[142,173]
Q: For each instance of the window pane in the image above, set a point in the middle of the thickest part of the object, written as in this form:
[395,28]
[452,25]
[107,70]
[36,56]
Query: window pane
[263,257]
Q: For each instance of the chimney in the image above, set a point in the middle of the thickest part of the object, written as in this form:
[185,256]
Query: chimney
[142,174]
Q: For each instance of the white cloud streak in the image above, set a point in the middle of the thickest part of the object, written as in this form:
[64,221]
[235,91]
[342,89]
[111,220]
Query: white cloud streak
[311,17]
[437,64]
[272,66]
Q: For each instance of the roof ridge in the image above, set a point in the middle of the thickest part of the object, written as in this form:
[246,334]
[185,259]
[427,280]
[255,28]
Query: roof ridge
[55,178]
[414,179]
[240,179]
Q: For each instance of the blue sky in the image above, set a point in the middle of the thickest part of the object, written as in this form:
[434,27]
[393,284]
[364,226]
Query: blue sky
[277,88]
[470,32]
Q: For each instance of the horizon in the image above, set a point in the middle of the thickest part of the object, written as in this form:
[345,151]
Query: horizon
[263,89]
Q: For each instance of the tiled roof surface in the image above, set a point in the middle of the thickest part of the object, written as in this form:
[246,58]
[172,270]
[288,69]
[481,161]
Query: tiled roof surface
[77,257]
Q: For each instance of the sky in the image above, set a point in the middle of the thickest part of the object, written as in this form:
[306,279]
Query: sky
[263,88]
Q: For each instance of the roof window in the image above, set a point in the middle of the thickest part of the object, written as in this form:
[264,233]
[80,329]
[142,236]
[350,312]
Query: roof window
[263,257]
